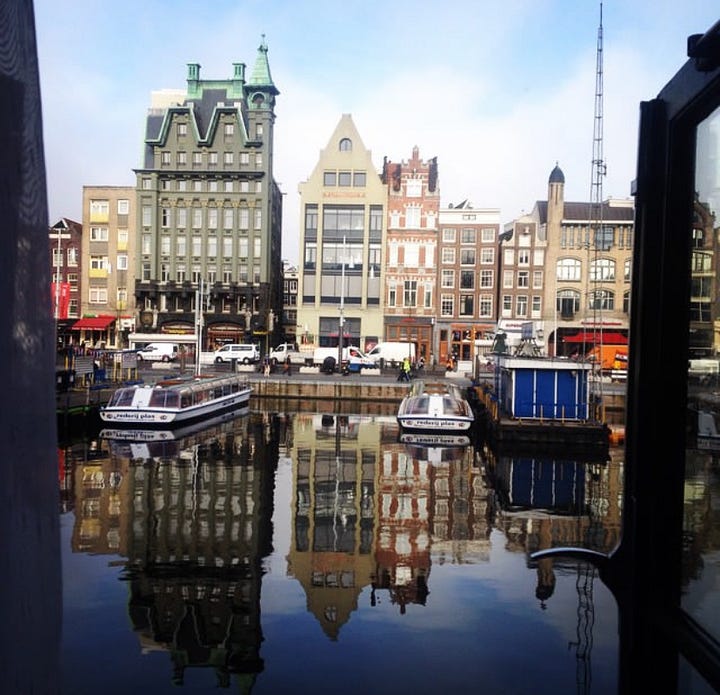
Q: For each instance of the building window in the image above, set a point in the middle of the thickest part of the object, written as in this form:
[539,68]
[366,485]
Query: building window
[468,236]
[521,306]
[229,157]
[182,158]
[257,218]
[146,244]
[568,269]
[227,247]
[507,305]
[359,179]
[486,278]
[98,263]
[164,158]
[146,215]
[123,206]
[485,306]
[523,278]
[604,238]
[536,306]
[567,303]
[212,247]
[245,158]
[467,304]
[330,178]
[164,272]
[447,279]
[410,293]
[98,233]
[243,248]
[145,271]
[487,235]
[601,300]
[182,129]
[537,279]
[196,218]
[467,280]
[626,302]
[627,270]
[197,186]
[448,256]
[345,145]
[180,246]
[98,295]
[181,216]
[229,129]
[72,256]
[447,305]
[344,178]
[413,188]
[523,256]
[99,210]
[467,256]
[212,186]
[165,218]
[212,218]
[258,159]
[197,158]
[146,184]
[243,218]
[259,130]
[602,269]
[122,261]
[180,273]
[196,245]
[412,217]
[487,256]
[508,277]
[212,158]
[165,245]
[228,186]
[448,235]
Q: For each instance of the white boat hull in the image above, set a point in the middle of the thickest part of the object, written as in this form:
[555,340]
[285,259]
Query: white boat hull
[443,411]
[137,408]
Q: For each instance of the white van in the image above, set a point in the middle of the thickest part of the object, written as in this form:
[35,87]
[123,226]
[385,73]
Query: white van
[159,352]
[392,352]
[245,353]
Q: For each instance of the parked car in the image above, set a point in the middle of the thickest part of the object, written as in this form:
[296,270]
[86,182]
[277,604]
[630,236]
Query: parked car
[159,352]
[245,353]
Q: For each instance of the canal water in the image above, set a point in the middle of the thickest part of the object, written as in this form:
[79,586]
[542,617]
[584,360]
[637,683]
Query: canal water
[319,553]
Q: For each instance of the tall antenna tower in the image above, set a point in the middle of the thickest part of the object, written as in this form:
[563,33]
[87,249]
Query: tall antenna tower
[597,241]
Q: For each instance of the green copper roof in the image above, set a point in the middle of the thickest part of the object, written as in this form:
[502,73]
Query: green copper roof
[260,76]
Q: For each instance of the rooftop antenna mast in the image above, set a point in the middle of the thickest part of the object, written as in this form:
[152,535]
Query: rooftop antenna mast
[597,241]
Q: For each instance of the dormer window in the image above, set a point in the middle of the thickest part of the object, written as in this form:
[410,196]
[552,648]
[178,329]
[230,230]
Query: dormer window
[345,145]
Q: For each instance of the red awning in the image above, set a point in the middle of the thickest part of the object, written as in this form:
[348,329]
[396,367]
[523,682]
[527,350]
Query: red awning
[606,337]
[95,323]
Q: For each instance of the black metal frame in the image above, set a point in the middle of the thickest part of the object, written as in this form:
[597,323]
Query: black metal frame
[644,571]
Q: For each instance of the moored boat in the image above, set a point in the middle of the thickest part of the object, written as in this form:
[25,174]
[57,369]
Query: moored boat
[174,401]
[439,408]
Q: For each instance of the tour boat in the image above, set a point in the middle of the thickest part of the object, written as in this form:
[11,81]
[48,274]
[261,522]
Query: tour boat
[174,401]
[437,408]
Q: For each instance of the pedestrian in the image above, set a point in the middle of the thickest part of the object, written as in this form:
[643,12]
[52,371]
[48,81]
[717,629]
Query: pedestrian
[287,366]
[267,367]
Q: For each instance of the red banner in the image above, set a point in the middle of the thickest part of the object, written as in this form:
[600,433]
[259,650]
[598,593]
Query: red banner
[60,299]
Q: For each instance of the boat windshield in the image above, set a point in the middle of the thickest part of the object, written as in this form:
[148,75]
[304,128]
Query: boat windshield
[122,397]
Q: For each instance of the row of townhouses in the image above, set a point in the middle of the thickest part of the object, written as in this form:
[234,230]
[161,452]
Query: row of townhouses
[381,256]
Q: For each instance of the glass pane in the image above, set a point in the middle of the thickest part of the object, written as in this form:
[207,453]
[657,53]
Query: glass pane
[701,561]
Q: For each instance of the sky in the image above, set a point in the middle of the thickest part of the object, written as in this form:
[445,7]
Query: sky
[499,92]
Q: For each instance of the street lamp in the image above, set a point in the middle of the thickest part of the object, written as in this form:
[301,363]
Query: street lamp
[341,326]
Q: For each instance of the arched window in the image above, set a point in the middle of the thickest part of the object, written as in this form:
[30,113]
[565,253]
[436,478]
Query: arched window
[626,302]
[567,303]
[345,145]
[568,269]
[628,270]
[602,269]
[601,299]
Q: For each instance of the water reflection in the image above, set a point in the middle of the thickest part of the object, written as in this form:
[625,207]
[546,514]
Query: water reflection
[379,528]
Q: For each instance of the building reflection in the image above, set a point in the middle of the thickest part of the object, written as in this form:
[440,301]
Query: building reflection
[372,514]
[192,516]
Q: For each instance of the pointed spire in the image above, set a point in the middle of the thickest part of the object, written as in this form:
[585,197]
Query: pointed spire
[260,76]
